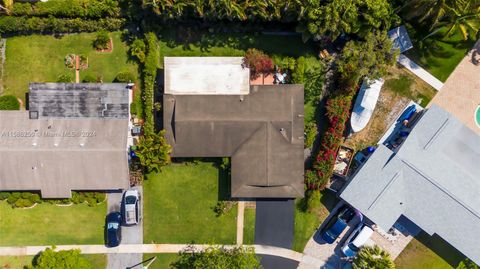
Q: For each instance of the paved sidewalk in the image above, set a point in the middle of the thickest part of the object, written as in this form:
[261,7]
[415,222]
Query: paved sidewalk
[146,248]
[240,218]
[420,72]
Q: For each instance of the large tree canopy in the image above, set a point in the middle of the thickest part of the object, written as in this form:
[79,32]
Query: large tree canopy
[64,259]
[217,258]
[334,17]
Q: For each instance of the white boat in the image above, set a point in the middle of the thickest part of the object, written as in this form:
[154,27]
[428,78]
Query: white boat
[365,103]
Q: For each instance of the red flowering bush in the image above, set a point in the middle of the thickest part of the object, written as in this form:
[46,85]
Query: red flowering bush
[258,62]
[338,110]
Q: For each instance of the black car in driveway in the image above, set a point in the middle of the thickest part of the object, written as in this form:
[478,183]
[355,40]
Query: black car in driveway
[337,224]
[113,229]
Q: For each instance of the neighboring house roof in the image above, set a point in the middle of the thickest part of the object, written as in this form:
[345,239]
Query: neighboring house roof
[400,39]
[262,132]
[66,100]
[433,180]
[460,95]
[205,75]
[58,154]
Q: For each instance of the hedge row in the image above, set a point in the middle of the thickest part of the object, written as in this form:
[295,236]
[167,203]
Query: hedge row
[28,199]
[10,24]
[68,9]
[149,76]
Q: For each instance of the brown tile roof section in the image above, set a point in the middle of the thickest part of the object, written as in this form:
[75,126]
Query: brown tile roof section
[460,94]
[262,132]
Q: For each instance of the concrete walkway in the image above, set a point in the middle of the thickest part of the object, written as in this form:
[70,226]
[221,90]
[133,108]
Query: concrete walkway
[240,218]
[420,72]
[149,248]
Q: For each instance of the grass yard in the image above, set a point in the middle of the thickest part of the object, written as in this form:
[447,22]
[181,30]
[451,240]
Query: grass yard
[425,252]
[306,223]
[439,55]
[179,205]
[163,260]
[98,261]
[249,226]
[41,58]
[400,87]
[48,224]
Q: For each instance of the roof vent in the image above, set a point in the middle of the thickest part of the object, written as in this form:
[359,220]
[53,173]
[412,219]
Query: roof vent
[82,145]
[34,144]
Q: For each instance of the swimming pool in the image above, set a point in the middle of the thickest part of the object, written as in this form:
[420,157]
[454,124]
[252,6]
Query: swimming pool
[477,116]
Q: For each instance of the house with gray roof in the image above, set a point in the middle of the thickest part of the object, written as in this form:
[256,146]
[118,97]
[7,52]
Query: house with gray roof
[262,131]
[433,179]
[73,137]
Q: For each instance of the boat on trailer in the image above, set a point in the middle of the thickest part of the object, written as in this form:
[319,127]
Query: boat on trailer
[365,104]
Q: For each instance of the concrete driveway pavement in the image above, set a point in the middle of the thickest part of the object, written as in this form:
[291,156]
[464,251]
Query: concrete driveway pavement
[130,235]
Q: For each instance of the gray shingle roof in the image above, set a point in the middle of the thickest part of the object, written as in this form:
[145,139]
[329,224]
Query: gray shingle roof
[433,180]
[262,132]
[95,100]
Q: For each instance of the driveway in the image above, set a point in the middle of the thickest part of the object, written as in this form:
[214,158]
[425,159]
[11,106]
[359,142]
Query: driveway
[274,222]
[331,254]
[130,235]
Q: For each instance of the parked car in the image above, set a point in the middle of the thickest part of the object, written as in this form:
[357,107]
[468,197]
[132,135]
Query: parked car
[337,224]
[113,229]
[131,207]
[356,240]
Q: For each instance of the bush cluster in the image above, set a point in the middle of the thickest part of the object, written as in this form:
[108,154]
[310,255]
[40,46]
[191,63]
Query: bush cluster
[223,207]
[101,40]
[68,9]
[310,134]
[125,77]
[20,199]
[22,25]
[9,102]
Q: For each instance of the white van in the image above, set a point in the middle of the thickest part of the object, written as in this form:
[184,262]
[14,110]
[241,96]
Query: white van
[356,240]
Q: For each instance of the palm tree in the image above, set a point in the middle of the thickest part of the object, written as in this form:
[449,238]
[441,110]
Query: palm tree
[154,151]
[426,11]
[463,16]
[373,257]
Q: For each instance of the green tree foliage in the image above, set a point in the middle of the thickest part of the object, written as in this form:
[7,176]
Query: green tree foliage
[149,77]
[63,259]
[334,17]
[68,8]
[154,151]
[462,16]
[258,62]
[467,264]
[101,40]
[217,258]
[125,77]
[19,25]
[372,257]
[369,58]
[425,11]
[310,134]
[9,102]
[137,49]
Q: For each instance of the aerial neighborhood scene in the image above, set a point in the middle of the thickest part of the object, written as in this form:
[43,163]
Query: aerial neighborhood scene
[239,134]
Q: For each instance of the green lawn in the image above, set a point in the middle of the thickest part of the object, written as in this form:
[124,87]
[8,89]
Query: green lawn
[98,261]
[41,58]
[438,54]
[48,224]
[425,252]
[178,206]
[306,223]
[249,226]
[163,260]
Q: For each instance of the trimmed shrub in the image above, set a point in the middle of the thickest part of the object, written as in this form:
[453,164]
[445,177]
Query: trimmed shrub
[9,102]
[102,40]
[125,77]
[149,76]
[137,49]
[310,134]
[27,25]
[4,195]
[68,9]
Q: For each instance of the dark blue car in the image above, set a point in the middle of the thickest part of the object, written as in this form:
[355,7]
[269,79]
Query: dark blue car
[337,224]
[113,229]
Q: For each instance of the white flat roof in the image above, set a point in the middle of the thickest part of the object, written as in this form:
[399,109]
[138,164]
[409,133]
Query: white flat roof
[206,76]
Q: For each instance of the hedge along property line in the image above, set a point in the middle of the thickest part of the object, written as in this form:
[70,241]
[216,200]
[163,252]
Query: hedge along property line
[10,24]
[68,9]
[338,111]
[149,76]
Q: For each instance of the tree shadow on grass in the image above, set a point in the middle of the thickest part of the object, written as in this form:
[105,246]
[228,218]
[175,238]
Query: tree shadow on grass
[443,249]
